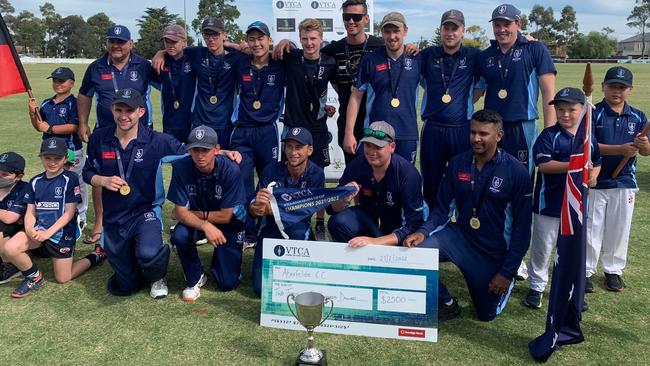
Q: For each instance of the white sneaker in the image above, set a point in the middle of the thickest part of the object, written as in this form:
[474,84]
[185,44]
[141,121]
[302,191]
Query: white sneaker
[201,242]
[193,293]
[159,289]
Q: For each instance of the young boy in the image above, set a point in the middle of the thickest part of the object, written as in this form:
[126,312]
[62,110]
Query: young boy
[12,205]
[611,203]
[50,222]
[59,115]
[551,154]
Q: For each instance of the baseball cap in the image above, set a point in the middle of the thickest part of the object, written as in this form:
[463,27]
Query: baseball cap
[12,162]
[54,146]
[213,24]
[620,75]
[130,97]
[62,73]
[393,18]
[202,136]
[453,16]
[260,26]
[379,133]
[174,32]
[506,12]
[300,135]
[570,95]
[118,32]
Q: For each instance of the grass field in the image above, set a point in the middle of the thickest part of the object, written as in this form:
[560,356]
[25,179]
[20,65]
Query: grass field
[79,323]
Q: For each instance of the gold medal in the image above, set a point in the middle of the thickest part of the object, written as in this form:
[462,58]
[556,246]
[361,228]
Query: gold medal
[257,104]
[125,190]
[503,94]
[394,102]
[446,98]
[176,104]
[213,99]
[475,223]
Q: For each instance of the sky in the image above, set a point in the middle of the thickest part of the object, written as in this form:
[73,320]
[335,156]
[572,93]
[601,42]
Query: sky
[422,15]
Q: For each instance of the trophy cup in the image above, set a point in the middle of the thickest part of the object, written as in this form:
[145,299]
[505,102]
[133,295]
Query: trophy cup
[309,312]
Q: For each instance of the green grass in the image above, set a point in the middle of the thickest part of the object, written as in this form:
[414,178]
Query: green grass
[79,323]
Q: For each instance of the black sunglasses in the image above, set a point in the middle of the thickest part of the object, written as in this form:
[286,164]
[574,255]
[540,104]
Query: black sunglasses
[369,132]
[355,17]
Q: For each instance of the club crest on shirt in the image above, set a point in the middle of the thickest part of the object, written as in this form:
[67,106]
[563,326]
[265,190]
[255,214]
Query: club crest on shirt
[133,75]
[516,55]
[631,128]
[490,62]
[138,155]
[58,192]
[462,63]
[226,65]
[218,191]
[191,189]
[389,199]
[522,155]
[187,67]
[408,63]
[62,111]
[274,152]
[149,216]
[496,184]
[321,71]
[270,80]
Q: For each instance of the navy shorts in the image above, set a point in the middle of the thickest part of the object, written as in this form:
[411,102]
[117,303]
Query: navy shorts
[52,250]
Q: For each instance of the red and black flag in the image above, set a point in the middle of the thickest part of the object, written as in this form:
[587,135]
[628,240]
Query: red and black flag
[12,75]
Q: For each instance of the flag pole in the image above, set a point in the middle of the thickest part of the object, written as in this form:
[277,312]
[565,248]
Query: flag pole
[588,89]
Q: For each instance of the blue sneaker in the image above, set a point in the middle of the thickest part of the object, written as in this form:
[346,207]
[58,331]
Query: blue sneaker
[29,285]
[9,271]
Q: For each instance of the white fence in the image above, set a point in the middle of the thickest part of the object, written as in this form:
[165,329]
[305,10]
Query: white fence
[54,60]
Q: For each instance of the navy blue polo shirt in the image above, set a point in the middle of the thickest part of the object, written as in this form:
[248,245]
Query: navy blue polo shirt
[554,143]
[374,79]
[62,113]
[396,201]
[147,152]
[102,78]
[219,190]
[612,128]
[461,88]
[15,200]
[177,84]
[49,196]
[265,85]
[220,69]
[505,213]
[525,62]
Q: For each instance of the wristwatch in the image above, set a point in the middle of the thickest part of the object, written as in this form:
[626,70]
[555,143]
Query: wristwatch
[49,130]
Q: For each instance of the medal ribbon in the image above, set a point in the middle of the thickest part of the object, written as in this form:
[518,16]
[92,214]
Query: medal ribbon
[477,204]
[394,87]
[213,90]
[310,81]
[445,84]
[129,167]
[502,73]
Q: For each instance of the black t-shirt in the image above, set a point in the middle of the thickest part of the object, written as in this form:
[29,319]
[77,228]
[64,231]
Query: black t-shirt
[346,68]
[307,90]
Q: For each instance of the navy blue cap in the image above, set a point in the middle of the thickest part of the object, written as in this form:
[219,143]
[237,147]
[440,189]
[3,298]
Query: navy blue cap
[203,137]
[257,25]
[506,12]
[570,95]
[54,146]
[11,162]
[300,135]
[213,24]
[620,75]
[62,73]
[130,97]
[119,32]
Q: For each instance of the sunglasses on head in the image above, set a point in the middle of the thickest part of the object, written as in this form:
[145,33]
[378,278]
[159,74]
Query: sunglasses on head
[354,17]
[381,135]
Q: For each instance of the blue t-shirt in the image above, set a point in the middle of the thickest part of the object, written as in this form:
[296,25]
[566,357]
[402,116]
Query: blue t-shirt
[376,73]
[177,84]
[145,153]
[504,213]
[104,79]
[266,86]
[395,202]
[612,128]
[15,200]
[554,143]
[459,110]
[49,196]
[313,177]
[215,76]
[525,62]
[62,113]
[219,190]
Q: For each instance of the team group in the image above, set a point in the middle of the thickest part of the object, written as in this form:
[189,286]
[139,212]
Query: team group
[473,197]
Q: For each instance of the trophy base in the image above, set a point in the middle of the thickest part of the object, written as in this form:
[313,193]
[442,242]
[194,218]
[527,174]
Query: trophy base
[321,362]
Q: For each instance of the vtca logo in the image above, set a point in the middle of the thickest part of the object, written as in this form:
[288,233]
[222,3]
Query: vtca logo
[281,251]
[288,4]
[323,5]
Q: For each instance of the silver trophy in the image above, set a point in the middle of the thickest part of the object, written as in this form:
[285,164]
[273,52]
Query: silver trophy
[309,312]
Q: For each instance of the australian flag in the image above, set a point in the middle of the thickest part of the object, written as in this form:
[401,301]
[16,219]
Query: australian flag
[568,284]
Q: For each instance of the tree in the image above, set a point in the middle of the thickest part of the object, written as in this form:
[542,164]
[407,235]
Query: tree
[29,31]
[6,7]
[639,18]
[52,22]
[593,45]
[77,37]
[99,24]
[220,9]
[437,38]
[567,27]
[475,37]
[544,21]
[376,30]
[423,43]
[152,25]
[607,31]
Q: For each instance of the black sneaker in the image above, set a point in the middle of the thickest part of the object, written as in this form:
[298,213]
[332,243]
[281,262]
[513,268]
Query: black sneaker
[589,286]
[8,271]
[585,306]
[614,282]
[533,299]
[448,312]
[29,285]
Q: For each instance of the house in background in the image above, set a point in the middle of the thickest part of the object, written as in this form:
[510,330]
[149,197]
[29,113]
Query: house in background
[631,47]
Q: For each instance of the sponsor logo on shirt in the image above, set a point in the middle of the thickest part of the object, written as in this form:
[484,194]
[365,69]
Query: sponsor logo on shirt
[381,67]
[464,176]
[367,192]
[106,155]
[150,216]
[47,205]
[106,76]
[246,78]
[77,190]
